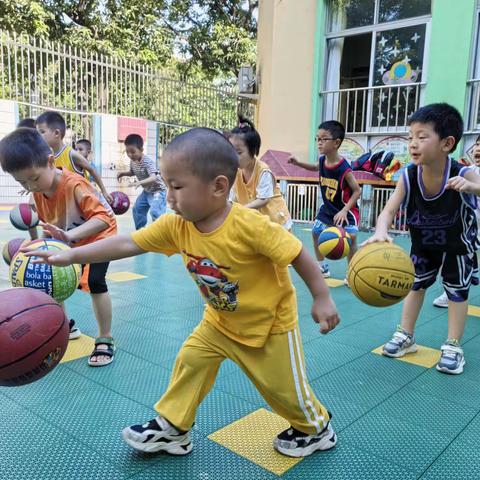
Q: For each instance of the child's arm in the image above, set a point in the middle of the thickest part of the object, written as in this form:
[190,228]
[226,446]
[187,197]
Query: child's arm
[143,183]
[307,166]
[33,232]
[127,173]
[83,164]
[257,203]
[341,217]
[385,219]
[111,248]
[469,183]
[324,311]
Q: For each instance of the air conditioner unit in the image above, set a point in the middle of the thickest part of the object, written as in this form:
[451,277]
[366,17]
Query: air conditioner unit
[246,80]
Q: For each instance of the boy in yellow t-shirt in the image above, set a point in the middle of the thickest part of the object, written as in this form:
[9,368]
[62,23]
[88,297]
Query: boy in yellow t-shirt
[52,127]
[238,258]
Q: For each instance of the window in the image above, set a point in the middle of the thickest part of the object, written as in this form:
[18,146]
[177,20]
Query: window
[375,56]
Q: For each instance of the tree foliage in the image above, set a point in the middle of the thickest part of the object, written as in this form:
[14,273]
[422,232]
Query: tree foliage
[205,38]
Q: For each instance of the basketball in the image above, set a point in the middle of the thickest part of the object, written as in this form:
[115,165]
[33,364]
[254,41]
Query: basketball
[33,335]
[11,248]
[381,274]
[121,203]
[23,217]
[334,243]
[58,282]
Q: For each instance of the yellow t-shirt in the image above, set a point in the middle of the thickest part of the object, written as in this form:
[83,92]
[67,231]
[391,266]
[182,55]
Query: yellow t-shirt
[64,160]
[241,269]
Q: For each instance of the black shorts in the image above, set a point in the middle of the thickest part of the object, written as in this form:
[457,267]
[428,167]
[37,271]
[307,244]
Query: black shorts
[458,272]
[93,277]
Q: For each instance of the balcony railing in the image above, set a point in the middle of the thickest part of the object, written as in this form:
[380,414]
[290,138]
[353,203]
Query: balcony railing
[381,109]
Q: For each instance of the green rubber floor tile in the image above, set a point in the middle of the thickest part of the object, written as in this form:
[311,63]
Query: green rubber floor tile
[436,414]
[59,382]
[323,356]
[97,418]
[344,412]
[454,388]
[471,348]
[219,409]
[227,368]
[125,364]
[172,325]
[362,340]
[347,462]
[398,441]
[153,347]
[369,386]
[145,386]
[65,459]
[470,434]
[460,462]
[239,385]
[207,461]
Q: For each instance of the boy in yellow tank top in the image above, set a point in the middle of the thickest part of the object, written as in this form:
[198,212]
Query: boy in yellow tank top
[238,258]
[52,127]
[255,185]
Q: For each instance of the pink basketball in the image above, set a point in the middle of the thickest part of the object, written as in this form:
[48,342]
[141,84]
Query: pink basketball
[11,248]
[121,203]
[23,217]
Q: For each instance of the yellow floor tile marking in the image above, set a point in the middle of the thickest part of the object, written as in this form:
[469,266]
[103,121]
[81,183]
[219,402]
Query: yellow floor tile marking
[333,282]
[473,310]
[260,427]
[3,221]
[124,276]
[6,208]
[78,348]
[425,356]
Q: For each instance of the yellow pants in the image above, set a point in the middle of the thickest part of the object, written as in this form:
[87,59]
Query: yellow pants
[277,370]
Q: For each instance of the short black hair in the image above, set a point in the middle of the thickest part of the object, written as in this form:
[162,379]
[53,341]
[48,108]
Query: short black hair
[135,140]
[246,130]
[336,129]
[88,143]
[445,120]
[52,120]
[23,148]
[26,122]
[207,152]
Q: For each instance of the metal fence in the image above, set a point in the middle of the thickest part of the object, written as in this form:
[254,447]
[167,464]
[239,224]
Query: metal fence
[372,109]
[303,202]
[41,72]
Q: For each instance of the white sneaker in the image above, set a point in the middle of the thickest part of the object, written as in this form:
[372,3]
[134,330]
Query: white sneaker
[156,435]
[441,301]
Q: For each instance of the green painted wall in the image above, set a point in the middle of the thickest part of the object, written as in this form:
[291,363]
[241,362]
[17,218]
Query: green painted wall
[318,64]
[449,57]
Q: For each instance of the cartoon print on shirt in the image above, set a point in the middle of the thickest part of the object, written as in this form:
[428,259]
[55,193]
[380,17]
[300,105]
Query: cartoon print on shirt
[213,283]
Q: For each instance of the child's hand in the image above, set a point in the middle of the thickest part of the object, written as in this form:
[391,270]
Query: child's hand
[56,232]
[293,160]
[119,176]
[325,313]
[378,237]
[135,184]
[460,184]
[340,218]
[59,258]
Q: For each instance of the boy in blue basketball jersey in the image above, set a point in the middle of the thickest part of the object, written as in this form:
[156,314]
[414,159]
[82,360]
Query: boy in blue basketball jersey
[340,191]
[439,195]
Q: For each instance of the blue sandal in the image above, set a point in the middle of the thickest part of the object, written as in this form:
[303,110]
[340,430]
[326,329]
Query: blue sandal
[107,352]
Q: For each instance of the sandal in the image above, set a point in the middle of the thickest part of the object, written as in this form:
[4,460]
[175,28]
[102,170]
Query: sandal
[98,352]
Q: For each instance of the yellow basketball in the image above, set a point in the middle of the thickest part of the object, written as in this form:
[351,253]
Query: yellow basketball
[381,274]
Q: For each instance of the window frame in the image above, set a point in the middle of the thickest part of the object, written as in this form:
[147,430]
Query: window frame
[373,29]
